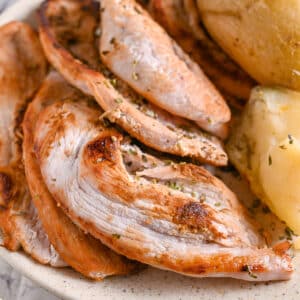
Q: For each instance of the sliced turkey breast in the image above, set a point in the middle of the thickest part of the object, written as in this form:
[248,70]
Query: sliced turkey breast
[140,52]
[181,19]
[22,69]
[82,252]
[68,31]
[171,216]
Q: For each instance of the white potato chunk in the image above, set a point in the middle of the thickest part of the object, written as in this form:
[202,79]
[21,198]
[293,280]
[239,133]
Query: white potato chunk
[261,35]
[265,148]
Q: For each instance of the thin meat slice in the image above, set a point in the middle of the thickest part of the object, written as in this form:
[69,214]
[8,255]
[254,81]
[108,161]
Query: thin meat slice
[181,19]
[68,31]
[22,69]
[141,53]
[82,252]
[171,216]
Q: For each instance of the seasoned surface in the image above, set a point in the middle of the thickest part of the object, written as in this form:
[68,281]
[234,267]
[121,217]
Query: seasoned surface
[79,250]
[67,31]
[172,216]
[140,52]
[181,19]
[22,69]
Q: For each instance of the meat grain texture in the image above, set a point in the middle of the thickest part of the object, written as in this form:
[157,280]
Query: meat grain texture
[22,69]
[182,20]
[82,252]
[168,215]
[119,203]
[157,67]
[73,50]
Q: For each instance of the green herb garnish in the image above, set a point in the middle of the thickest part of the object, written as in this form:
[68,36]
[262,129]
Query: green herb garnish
[250,273]
[113,82]
[202,198]
[173,186]
[118,100]
[132,151]
[135,76]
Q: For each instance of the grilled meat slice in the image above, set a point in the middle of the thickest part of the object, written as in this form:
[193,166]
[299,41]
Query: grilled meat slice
[68,31]
[171,216]
[181,19]
[141,53]
[22,69]
[82,252]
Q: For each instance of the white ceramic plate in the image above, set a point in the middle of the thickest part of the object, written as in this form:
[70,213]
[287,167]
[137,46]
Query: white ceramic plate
[151,283]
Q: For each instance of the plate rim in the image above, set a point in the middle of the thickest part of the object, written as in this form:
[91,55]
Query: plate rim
[21,10]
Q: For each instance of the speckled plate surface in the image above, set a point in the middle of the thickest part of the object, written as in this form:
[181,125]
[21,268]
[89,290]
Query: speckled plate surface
[150,283]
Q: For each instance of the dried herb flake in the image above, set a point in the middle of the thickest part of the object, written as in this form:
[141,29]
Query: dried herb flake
[116,236]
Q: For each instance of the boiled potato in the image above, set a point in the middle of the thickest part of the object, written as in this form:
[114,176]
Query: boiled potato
[263,36]
[265,147]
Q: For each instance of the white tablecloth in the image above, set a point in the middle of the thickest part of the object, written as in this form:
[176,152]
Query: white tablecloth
[5,3]
[13,286]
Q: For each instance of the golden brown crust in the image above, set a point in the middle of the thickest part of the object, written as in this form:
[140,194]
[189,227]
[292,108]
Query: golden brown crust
[142,212]
[85,254]
[192,214]
[162,72]
[231,80]
[22,67]
[152,126]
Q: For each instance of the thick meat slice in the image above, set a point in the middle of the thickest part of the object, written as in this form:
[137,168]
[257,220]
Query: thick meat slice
[68,30]
[22,69]
[182,21]
[141,53]
[82,252]
[172,216]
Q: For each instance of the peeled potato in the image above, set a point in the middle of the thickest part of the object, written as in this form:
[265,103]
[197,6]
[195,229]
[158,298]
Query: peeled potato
[263,36]
[265,147]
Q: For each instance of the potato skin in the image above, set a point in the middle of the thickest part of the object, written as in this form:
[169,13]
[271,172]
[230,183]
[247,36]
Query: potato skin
[263,36]
[265,147]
